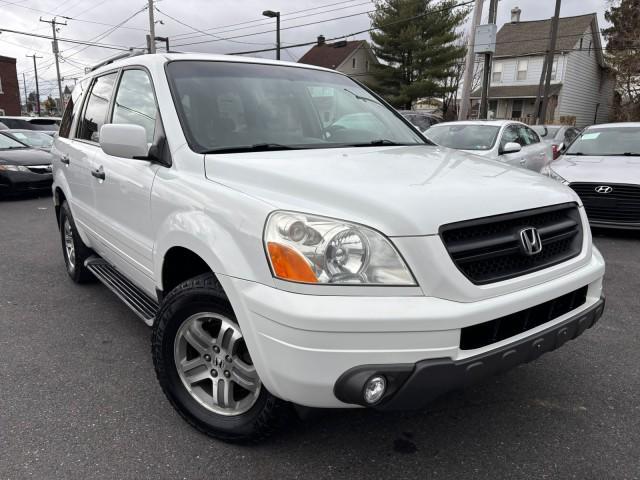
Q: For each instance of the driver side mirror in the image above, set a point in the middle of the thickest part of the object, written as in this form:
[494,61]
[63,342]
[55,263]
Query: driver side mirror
[511,147]
[124,140]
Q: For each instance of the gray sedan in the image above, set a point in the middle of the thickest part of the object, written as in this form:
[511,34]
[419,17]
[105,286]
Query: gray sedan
[559,136]
[603,166]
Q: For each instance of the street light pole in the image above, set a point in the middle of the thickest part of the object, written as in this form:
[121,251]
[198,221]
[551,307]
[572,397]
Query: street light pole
[276,15]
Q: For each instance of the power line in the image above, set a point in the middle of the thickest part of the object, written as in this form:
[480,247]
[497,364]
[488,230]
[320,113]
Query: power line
[202,31]
[264,21]
[67,40]
[273,30]
[189,37]
[76,19]
[402,20]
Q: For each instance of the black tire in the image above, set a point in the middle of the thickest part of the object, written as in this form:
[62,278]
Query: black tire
[205,294]
[76,269]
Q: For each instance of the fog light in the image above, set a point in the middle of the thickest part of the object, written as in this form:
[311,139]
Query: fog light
[374,389]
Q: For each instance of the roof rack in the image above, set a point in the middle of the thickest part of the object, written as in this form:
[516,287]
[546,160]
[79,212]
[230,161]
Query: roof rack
[130,53]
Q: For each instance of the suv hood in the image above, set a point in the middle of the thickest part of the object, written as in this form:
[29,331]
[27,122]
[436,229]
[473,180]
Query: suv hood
[401,191]
[598,169]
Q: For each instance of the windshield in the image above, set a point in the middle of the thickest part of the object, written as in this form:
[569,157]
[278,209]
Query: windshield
[34,139]
[607,141]
[224,105]
[464,137]
[8,142]
[545,132]
[47,124]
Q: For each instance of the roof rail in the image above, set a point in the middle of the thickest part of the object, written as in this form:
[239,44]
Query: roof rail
[130,53]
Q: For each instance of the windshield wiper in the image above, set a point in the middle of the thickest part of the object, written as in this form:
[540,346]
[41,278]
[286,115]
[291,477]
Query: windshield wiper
[574,153]
[382,142]
[631,154]
[256,147]
[360,97]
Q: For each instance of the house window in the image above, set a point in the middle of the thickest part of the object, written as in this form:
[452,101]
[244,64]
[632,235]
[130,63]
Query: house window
[580,48]
[2,112]
[496,74]
[516,109]
[589,48]
[554,69]
[366,65]
[1,85]
[523,65]
[353,62]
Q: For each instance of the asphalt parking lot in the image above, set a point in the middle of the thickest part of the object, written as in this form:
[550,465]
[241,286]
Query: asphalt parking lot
[79,398]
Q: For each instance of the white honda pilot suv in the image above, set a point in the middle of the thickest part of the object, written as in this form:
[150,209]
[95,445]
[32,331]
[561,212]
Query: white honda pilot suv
[292,239]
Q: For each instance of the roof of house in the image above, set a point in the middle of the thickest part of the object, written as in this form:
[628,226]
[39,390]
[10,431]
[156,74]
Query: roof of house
[517,91]
[330,55]
[523,38]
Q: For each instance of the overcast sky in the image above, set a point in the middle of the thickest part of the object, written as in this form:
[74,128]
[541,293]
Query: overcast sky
[90,18]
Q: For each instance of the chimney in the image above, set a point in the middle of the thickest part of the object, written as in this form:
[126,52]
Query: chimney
[515,14]
[320,40]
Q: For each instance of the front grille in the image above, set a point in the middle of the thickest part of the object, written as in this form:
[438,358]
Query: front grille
[483,334]
[489,249]
[621,205]
[41,169]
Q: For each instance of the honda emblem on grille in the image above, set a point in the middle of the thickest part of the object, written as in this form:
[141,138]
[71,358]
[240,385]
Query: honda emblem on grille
[604,189]
[530,242]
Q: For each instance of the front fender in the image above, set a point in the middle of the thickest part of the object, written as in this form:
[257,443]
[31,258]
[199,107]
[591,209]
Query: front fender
[234,252]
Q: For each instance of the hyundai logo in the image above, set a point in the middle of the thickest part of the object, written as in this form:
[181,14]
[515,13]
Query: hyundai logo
[604,189]
[530,242]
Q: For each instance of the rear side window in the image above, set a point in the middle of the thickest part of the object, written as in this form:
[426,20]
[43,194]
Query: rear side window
[97,106]
[71,110]
[135,102]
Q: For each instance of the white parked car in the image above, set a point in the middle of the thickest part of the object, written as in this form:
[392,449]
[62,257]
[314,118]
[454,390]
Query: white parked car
[507,141]
[282,256]
[603,166]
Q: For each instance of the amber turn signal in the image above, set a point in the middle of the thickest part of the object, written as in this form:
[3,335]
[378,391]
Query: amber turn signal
[289,264]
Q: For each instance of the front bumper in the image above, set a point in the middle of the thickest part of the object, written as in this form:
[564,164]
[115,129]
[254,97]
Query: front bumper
[22,182]
[302,344]
[413,386]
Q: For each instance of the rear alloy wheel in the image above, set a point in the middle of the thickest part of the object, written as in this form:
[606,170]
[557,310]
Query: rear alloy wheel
[204,367]
[74,251]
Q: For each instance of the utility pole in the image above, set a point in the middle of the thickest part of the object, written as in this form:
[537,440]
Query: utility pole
[486,73]
[549,61]
[26,98]
[35,69]
[151,39]
[54,45]
[469,62]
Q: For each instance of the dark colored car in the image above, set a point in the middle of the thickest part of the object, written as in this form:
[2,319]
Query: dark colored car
[422,120]
[32,138]
[559,136]
[48,125]
[22,168]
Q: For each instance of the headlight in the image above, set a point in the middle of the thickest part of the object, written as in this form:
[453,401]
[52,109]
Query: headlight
[13,168]
[551,173]
[310,249]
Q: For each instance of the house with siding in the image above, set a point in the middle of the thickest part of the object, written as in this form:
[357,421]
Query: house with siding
[581,84]
[353,58]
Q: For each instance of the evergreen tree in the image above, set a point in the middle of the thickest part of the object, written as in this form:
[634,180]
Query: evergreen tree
[623,54]
[416,40]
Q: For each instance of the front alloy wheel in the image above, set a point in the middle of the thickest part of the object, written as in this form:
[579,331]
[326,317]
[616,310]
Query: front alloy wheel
[214,364]
[204,367]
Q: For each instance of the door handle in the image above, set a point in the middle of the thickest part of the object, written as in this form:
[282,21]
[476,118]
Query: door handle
[98,173]
[523,161]
[65,159]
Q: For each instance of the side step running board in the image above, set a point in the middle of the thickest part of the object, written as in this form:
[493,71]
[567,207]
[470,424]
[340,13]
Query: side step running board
[142,304]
